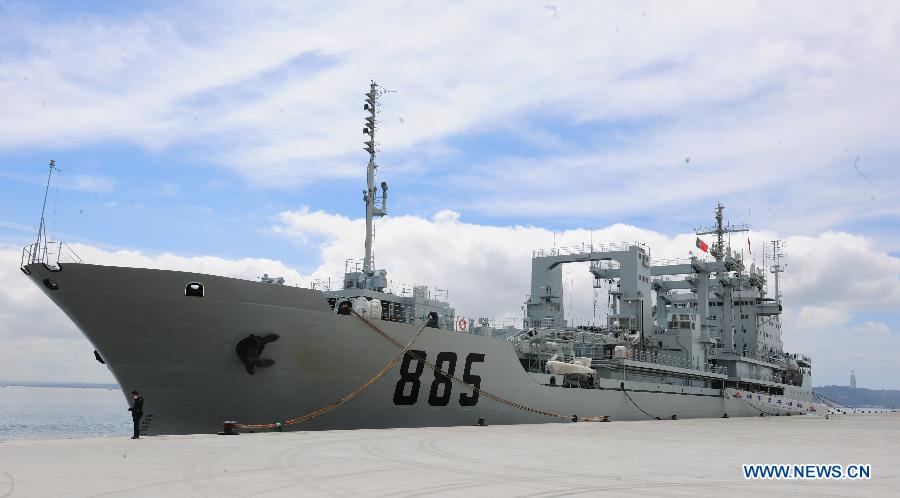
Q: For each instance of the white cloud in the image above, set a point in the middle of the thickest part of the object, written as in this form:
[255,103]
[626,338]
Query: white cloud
[247,268]
[828,275]
[816,318]
[842,271]
[778,91]
[871,327]
[88,183]
[486,270]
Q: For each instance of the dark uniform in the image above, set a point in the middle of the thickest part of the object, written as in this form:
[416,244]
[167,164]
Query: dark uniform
[137,411]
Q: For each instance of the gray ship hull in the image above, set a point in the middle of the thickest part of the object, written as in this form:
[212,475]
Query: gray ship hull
[179,351]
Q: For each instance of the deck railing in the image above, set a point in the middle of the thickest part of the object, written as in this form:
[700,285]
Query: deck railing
[673,361]
[585,248]
[50,254]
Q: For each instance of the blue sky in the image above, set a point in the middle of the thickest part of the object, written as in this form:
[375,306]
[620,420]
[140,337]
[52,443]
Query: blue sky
[233,131]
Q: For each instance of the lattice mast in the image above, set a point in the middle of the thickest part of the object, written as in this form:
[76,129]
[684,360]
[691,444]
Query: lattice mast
[719,230]
[375,205]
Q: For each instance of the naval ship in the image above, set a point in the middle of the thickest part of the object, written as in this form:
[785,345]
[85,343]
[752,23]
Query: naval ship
[698,337]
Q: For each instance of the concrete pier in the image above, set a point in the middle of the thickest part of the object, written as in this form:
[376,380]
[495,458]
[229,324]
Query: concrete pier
[654,458]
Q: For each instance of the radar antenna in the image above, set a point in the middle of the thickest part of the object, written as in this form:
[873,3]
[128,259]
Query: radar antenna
[375,205]
[720,229]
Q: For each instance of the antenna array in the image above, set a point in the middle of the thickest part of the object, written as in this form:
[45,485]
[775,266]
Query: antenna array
[720,229]
[375,205]
[778,254]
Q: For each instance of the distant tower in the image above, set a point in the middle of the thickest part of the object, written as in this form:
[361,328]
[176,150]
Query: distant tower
[852,380]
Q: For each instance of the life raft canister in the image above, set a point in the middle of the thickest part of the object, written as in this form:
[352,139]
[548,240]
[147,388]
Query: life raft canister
[462,324]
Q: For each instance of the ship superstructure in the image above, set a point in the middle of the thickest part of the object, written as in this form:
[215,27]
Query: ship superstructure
[691,322]
[685,338]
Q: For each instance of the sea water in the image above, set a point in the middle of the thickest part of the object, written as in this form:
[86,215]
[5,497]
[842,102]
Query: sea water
[62,412]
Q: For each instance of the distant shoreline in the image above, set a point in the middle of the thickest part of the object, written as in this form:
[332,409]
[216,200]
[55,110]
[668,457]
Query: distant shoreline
[76,385]
[860,397]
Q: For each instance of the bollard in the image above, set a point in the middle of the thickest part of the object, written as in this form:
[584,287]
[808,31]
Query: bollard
[228,428]
[481,422]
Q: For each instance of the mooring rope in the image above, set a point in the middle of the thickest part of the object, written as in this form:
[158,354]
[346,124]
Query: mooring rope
[347,398]
[834,404]
[636,405]
[828,404]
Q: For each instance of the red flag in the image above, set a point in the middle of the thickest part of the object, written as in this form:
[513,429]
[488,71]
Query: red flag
[702,245]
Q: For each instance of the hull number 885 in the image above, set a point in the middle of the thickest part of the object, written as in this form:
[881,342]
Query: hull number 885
[407,390]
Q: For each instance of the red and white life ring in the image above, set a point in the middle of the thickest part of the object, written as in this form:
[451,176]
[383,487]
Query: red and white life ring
[462,324]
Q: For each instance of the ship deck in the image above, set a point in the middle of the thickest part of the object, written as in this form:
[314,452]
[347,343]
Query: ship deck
[700,457]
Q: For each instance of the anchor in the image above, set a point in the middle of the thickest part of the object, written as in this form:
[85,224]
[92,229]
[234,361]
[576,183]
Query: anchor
[251,347]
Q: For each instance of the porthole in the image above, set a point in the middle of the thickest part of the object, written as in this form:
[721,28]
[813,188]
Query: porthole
[193,289]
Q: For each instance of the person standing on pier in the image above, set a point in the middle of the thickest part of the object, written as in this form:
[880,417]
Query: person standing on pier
[137,411]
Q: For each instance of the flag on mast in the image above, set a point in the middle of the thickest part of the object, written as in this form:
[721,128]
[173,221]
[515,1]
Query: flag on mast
[748,247]
[702,245]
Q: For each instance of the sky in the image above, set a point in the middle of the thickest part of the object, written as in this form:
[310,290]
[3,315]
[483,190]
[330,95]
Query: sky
[227,138]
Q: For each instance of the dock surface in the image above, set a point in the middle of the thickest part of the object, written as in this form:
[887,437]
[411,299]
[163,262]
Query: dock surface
[654,458]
